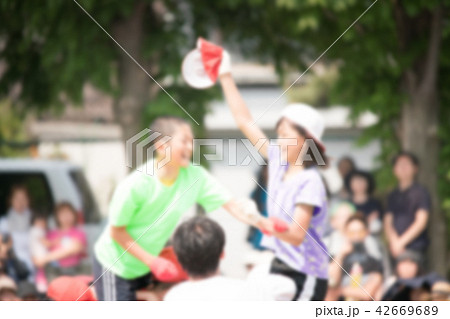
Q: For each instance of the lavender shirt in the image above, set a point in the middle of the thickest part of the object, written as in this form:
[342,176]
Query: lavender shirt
[310,257]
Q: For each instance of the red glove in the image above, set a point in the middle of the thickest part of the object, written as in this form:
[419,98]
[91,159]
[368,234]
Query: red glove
[280,226]
[164,270]
[211,57]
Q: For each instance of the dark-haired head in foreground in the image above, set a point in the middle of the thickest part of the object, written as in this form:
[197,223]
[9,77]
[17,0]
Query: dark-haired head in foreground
[198,244]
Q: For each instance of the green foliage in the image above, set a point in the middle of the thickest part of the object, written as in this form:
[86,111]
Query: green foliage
[371,56]
[316,91]
[193,101]
[52,47]
[13,137]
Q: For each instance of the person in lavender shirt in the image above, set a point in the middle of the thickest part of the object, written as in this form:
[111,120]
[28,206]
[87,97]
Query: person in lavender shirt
[296,192]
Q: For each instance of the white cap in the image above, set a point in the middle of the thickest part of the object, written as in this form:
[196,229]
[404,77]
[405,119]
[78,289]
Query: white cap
[308,118]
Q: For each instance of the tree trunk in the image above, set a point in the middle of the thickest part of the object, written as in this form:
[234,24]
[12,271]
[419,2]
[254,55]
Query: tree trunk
[134,83]
[419,126]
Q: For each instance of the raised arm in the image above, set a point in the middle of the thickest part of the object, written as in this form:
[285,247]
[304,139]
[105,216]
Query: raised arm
[242,114]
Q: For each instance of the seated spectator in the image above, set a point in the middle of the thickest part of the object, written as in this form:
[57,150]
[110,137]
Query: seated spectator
[440,291]
[198,244]
[16,223]
[361,185]
[408,265]
[416,289]
[38,233]
[8,289]
[10,265]
[365,272]
[67,288]
[408,209]
[66,244]
[340,213]
[27,291]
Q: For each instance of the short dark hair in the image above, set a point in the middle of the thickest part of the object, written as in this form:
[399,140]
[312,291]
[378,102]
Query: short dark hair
[411,156]
[363,174]
[198,244]
[357,217]
[349,160]
[166,125]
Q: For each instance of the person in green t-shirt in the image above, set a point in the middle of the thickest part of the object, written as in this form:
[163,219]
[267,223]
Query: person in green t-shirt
[145,209]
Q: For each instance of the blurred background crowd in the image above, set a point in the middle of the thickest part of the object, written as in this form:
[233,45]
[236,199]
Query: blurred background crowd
[70,98]
[377,246]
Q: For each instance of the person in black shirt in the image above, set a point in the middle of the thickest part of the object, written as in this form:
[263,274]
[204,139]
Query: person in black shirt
[360,186]
[408,208]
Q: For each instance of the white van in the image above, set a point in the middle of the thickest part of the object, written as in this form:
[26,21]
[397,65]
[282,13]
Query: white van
[50,182]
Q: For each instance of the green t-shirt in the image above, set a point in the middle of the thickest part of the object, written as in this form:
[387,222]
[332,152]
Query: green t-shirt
[150,211]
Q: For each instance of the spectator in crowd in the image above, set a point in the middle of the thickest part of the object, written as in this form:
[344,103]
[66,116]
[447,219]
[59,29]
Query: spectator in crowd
[38,246]
[16,223]
[345,166]
[365,280]
[66,244]
[8,289]
[440,291]
[198,244]
[408,208]
[340,212]
[360,186]
[27,291]
[426,287]
[335,240]
[10,265]
[408,265]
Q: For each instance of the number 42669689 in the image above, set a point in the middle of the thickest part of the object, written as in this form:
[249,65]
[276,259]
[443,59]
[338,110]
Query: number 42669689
[407,310]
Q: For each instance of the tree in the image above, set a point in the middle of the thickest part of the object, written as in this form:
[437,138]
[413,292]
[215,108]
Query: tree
[53,48]
[393,62]
[12,129]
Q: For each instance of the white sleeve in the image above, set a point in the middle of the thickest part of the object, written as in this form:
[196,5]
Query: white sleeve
[3,225]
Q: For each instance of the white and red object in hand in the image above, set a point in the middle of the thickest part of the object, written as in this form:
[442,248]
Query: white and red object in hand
[201,67]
